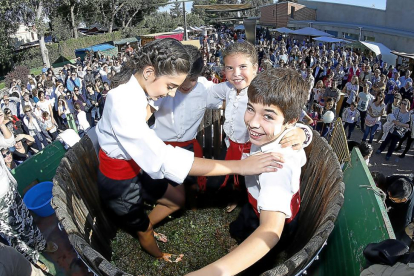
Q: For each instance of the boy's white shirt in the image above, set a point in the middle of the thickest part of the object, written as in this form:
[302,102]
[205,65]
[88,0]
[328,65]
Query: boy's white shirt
[236,105]
[177,118]
[124,134]
[274,190]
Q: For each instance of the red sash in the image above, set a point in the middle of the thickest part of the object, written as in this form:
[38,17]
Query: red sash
[198,152]
[117,169]
[294,205]
[235,152]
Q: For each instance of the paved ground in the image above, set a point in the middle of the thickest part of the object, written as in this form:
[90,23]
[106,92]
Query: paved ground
[395,165]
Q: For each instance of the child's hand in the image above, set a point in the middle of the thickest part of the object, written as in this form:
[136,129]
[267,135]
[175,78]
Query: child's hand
[294,139]
[261,162]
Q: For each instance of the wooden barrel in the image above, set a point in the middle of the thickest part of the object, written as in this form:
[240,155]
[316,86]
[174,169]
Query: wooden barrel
[78,208]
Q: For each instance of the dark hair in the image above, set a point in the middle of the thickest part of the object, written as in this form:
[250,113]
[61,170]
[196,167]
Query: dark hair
[196,60]
[245,48]
[400,188]
[167,56]
[365,148]
[329,100]
[379,93]
[379,180]
[283,87]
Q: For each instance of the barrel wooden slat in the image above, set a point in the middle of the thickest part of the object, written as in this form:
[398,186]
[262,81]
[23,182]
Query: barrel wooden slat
[217,133]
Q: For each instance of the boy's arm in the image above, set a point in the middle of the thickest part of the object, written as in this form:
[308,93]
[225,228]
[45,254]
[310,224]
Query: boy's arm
[264,238]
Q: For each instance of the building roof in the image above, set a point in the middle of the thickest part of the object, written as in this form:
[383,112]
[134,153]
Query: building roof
[357,26]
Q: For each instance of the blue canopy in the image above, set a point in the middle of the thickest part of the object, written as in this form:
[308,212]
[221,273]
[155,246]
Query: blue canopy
[96,48]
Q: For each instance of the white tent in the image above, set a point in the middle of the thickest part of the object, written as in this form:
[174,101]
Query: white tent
[311,32]
[379,48]
[239,27]
[329,39]
[282,30]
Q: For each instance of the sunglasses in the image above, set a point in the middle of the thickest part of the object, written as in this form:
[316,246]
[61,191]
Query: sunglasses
[76,90]
[404,103]
[27,111]
[5,154]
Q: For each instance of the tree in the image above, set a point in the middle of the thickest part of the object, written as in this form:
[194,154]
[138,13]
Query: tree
[177,9]
[160,22]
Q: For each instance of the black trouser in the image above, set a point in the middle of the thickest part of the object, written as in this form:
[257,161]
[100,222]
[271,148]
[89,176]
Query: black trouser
[350,129]
[392,140]
[363,115]
[89,118]
[409,141]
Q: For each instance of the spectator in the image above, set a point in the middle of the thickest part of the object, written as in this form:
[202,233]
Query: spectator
[13,104]
[81,119]
[73,81]
[93,106]
[49,126]
[21,152]
[401,126]
[35,129]
[401,204]
[372,121]
[12,122]
[350,117]
[408,135]
[8,159]
[45,105]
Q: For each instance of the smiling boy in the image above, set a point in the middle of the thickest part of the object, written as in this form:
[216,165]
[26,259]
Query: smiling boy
[275,100]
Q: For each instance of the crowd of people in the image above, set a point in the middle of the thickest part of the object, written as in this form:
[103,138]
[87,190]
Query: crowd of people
[358,86]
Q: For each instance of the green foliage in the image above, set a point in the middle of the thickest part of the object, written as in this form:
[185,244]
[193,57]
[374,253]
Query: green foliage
[60,28]
[201,235]
[31,57]
[160,22]
[194,20]
[177,9]
[69,46]
[19,73]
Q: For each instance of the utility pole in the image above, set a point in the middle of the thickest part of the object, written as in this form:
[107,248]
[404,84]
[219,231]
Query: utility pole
[185,23]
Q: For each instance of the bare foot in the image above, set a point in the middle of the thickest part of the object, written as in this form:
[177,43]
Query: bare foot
[160,237]
[230,207]
[51,247]
[42,266]
[171,258]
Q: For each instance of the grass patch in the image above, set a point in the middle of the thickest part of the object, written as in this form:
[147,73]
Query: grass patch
[201,235]
[36,71]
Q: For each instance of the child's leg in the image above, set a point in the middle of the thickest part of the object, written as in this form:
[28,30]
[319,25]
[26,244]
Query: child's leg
[172,200]
[351,129]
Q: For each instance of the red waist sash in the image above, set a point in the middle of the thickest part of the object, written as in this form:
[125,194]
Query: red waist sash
[235,152]
[198,152]
[294,205]
[117,169]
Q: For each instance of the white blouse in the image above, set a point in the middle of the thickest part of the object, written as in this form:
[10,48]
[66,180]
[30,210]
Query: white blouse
[236,105]
[124,134]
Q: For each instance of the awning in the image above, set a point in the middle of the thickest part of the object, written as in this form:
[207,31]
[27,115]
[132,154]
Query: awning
[239,27]
[178,36]
[329,39]
[96,48]
[402,54]
[125,41]
[379,48]
[282,30]
[310,32]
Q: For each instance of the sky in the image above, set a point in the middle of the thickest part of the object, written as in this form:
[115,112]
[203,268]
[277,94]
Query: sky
[378,4]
